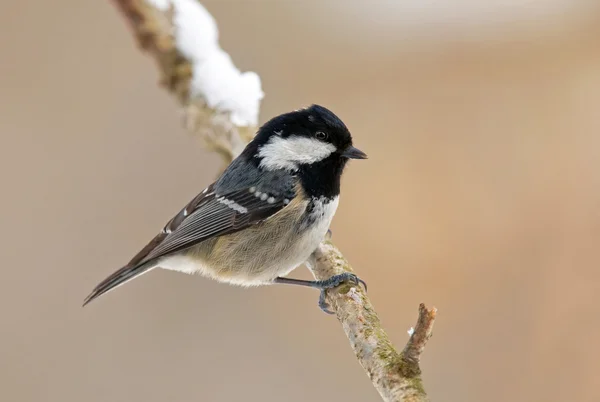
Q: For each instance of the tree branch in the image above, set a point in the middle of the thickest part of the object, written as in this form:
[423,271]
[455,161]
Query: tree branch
[221,105]
[396,376]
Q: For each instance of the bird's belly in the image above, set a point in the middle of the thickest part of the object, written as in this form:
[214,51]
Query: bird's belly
[256,255]
[254,261]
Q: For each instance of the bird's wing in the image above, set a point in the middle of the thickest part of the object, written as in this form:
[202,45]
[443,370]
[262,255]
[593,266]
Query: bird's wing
[208,215]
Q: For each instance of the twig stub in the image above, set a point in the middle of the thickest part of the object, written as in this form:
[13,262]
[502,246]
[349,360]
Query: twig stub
[421,334]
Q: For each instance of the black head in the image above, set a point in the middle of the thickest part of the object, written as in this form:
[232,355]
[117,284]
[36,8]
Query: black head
[298,139]
[312,143]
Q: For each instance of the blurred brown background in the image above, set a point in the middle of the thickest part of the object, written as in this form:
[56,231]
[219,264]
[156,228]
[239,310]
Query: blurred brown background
[481,197]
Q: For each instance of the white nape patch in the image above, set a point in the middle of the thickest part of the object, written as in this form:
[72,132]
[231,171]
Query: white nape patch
[288,153]
[215,77]
[233,205]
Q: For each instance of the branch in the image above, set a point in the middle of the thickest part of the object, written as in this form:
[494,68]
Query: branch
[221,105]
[396,376]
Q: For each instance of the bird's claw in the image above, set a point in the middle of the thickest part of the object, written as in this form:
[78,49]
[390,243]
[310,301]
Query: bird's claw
[323,305]
[334,282]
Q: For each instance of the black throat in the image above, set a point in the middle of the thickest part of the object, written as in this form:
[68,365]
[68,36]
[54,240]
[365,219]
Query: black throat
[322,179]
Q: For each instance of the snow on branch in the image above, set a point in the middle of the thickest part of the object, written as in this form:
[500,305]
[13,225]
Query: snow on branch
[221,104]
[214,76]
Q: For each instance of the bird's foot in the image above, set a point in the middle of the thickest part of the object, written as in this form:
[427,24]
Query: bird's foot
[332,283]
[324,285]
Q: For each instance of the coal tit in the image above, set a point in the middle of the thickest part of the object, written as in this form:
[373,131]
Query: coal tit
[266,213]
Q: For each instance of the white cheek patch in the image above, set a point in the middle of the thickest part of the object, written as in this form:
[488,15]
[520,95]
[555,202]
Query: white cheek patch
[288,153]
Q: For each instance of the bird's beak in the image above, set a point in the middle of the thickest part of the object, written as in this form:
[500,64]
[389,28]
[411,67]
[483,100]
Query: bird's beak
[354,153]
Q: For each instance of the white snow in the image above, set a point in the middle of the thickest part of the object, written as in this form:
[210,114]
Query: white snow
[215,77]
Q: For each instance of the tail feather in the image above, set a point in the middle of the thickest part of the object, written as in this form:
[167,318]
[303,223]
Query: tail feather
[117,279]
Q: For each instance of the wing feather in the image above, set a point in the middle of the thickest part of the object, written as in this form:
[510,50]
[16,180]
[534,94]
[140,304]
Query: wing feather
[207,216]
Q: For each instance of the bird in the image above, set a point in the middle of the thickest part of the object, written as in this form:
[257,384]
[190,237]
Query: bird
[264,216]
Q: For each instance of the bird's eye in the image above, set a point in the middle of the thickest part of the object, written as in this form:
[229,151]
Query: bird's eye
[320,135]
